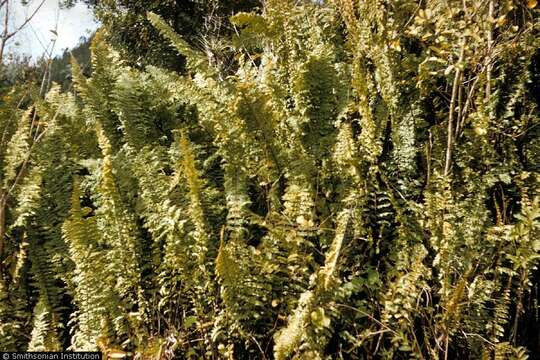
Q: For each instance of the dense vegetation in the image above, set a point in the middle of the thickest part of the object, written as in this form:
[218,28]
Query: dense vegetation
[348,179]
[203,24]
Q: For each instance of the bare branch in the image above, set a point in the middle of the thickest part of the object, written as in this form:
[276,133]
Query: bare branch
[26,21]
[3,38]
[455,86]
[6,34]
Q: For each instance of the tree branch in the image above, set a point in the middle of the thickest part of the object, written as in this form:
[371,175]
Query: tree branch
[4,38]
[26,21]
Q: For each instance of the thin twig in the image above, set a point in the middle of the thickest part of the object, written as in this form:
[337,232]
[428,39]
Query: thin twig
[455,86]
[369,316]
[26,21]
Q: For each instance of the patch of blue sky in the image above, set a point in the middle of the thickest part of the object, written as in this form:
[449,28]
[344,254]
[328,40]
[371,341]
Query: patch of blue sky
[51,30]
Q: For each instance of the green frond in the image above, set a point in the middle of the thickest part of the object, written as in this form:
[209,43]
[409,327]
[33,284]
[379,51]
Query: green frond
[196,60]
[44,337]
[16,153]
[27,198]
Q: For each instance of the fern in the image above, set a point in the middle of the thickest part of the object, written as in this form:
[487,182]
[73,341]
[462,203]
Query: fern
[44,336]
[357,182]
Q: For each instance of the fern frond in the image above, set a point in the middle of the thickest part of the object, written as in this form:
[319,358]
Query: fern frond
[196,60]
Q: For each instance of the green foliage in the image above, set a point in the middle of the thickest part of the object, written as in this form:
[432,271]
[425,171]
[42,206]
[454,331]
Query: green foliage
[202,23]
[359,182]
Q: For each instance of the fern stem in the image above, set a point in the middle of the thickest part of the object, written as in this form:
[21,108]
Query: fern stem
[455,87]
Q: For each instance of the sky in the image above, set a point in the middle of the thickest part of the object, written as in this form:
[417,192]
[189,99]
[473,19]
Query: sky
[70,24]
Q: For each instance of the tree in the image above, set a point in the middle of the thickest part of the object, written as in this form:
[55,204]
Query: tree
[204,24]
[60,66]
